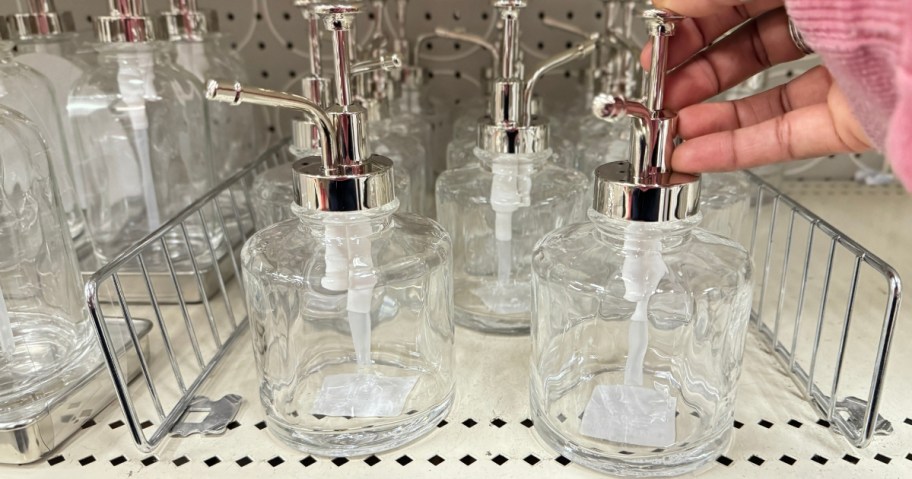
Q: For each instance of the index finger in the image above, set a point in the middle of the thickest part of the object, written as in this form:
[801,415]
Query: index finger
[698,8]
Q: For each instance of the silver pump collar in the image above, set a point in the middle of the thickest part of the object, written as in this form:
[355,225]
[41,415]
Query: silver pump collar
[127,23]
[42,20]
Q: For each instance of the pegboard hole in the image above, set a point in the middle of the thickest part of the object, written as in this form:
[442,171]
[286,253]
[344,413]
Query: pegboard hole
[456,15]
[428,16]
[570,15]
[457,46]
[484,15]
[289,46]
[264,74]
[286,16]
[261,45]
[230,16]
[259,16]
[541,45]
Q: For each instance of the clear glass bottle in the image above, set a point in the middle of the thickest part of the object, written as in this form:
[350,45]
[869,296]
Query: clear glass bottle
[724,201]
[350,302]
[498,208]
[197,47]
[45,335]
[640,316]
[27,91]
[390,137]
[142,129]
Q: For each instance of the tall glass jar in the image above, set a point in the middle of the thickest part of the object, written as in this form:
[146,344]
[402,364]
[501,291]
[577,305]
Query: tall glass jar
[724,200]
[637,343]
[496,210]
[142,129]
[45,337]
[351,315]
[27,91]
[390,137]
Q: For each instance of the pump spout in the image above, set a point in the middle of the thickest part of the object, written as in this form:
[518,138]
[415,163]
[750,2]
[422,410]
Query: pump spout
[236,94]
[549,64]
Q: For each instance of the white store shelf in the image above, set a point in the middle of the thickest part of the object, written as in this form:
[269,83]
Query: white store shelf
[773,419]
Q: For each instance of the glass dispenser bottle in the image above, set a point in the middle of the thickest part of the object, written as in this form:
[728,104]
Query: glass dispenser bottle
[272,190]
[45,335]
[26,90]
[141,128]
[499,208]
[197,47]
[350,302]
[641,316]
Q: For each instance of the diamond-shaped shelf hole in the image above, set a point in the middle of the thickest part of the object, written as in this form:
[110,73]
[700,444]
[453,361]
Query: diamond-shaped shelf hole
[908,421]
[319,416]
[118,461]
[436,460]
[467,460]
[308,461]
[788,460]
[738,424]
[850,459]
[724,461]
[276,461]
[339,461]
[403,460]
[909,456]
[795,424]
[823,422]
[883,459]
[372,461]
[244,461]
[86,460]
[561,417]
[756,460]
[765,423]
[116,424]
[88,424]
[55,460]
[498,423]
[181,461]
[442,423]
[563,461]
[149,461]
[145,424]
[469,423]
[500,460]
[233,425]
[531,460]
[260,425]
[527,422]
[819,459]
[212,461]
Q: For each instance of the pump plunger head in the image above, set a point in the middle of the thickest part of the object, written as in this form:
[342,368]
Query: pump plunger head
[645,188]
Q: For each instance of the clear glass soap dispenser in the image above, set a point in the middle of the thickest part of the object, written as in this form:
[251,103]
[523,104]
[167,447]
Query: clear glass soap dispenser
[32,84]
[46,340]
[141,127]
[641,316]
[272,191]
[351,301]
[197,47]
[501,206]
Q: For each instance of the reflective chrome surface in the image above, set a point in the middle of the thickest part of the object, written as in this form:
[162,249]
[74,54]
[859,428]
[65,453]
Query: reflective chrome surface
[369,185]
[41,20]
[127,23]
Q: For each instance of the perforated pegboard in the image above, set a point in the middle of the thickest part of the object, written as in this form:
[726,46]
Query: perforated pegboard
[271,38]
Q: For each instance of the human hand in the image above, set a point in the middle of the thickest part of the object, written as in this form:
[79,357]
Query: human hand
[805,118]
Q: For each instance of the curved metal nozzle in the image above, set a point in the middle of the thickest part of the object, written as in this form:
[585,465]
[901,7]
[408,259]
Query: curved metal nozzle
[469,38]
[613,107]
[549,64]
[235,94]
[384,62]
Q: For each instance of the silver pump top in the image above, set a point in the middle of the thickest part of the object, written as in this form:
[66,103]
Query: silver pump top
[645,188]
[345,178]
[40,20]
[510,126]
[185,22]
[127,22]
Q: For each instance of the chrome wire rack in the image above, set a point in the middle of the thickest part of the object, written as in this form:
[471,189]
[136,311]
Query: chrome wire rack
[809,279]
[812,283]
[189,340]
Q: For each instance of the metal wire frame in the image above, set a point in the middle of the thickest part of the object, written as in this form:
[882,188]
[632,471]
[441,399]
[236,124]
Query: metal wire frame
[855,418]
[230,201]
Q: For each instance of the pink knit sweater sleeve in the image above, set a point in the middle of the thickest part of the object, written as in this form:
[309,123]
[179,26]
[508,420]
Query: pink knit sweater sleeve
[867,46]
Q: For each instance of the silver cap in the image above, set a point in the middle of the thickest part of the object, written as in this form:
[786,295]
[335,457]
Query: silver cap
[127,23]
[40,21]
[186,22]
[645,188]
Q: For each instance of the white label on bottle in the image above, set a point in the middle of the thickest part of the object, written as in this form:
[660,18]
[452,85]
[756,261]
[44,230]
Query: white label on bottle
[363,395]
[630,415]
